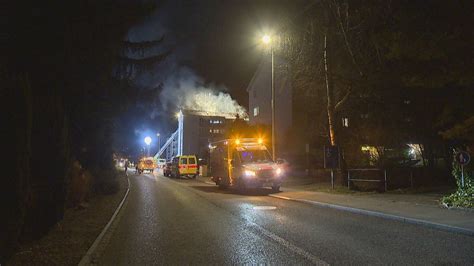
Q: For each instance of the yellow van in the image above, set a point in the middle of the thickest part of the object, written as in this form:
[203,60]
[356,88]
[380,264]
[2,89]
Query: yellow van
[184,165]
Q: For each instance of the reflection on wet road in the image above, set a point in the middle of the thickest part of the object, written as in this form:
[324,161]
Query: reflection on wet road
[169,221]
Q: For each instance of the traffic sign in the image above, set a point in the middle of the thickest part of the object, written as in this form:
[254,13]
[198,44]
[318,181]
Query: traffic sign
[331,157]
[463,158]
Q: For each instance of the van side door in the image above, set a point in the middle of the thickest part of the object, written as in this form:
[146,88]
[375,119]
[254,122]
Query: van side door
[192,166]
[183,165]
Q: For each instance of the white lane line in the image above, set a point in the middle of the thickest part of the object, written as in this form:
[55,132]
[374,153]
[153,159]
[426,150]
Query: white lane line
[87,259]
[209,182]
[264,207]
[310,257]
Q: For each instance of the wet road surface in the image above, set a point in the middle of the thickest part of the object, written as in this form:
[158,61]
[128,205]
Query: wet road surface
[170,221]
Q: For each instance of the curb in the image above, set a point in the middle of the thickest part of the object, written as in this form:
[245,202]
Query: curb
[444,227]
[87,258]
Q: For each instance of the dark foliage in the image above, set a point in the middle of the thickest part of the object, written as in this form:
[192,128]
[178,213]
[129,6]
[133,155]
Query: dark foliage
[59,103]
[400,71]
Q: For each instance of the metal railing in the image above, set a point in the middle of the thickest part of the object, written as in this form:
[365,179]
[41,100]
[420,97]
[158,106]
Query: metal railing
[349,179]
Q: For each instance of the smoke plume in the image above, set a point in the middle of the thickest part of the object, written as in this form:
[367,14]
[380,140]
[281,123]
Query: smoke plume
[185,90]
[181,87]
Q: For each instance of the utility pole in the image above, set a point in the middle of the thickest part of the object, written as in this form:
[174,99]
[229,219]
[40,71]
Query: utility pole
[273,106]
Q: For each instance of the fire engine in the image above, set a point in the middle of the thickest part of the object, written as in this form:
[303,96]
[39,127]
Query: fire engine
[244,163]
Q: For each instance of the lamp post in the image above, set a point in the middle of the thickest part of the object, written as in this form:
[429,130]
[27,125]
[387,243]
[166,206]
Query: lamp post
[148,142]
[266,39]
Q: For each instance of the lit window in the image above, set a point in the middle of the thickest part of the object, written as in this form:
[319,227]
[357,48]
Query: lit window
[345,122]
[256,111]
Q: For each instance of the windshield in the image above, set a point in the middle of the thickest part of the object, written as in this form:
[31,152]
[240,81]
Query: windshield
[255,156]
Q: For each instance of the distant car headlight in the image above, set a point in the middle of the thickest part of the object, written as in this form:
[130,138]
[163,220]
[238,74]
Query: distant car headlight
[121,164]
[279,171]
[249,173]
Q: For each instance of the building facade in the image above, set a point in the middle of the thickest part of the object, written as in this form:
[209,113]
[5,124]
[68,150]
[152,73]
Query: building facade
[196,129]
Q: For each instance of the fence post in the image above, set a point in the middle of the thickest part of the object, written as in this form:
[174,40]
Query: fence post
[332,178]
[385,177]
[348,179]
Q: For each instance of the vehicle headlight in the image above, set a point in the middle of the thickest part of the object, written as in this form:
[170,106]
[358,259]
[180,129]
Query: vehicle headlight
[249,173]
[121,164]
[278,171]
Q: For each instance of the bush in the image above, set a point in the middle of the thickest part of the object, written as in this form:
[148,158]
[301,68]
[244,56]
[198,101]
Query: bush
[460,198]
[464,196]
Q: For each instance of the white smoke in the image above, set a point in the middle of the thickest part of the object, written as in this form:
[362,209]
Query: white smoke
[185,90]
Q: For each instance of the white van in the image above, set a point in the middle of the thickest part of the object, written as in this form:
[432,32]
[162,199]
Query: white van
[161,163]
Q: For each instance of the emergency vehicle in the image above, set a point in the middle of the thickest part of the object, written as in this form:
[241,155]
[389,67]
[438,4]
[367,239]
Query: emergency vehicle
[146,164]
[184,165]
[244,163]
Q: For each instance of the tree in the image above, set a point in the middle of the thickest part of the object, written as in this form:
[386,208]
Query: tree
[60,103]
[367,58]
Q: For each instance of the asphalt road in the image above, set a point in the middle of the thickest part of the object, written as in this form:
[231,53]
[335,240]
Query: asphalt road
[169,221]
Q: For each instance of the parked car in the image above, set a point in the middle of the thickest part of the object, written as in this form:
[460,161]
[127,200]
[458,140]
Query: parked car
[167,169]
[161,163]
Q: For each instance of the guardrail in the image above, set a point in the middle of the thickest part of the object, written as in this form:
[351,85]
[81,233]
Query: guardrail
[349,179]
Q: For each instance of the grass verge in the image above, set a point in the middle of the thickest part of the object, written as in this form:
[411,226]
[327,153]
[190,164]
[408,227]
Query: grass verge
[70,239]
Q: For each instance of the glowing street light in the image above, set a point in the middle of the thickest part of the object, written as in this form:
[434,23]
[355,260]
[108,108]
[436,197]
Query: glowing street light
[266,39]
[148,142]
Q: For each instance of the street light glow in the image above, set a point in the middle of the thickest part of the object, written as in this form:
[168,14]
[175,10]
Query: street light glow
[147,140]
[266,39]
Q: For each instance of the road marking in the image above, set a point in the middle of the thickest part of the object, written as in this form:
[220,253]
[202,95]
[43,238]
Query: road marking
[87,258]
[209,182]
[310,257]
[264,207]
[299,251]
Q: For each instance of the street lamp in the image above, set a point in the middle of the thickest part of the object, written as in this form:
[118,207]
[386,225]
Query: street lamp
[148,142]
[267,40]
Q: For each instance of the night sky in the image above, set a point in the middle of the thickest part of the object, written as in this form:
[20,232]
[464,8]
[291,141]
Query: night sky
[218,40]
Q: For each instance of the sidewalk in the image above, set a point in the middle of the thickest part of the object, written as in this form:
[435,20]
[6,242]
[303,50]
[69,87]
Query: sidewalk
[418,208]
[421,208]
